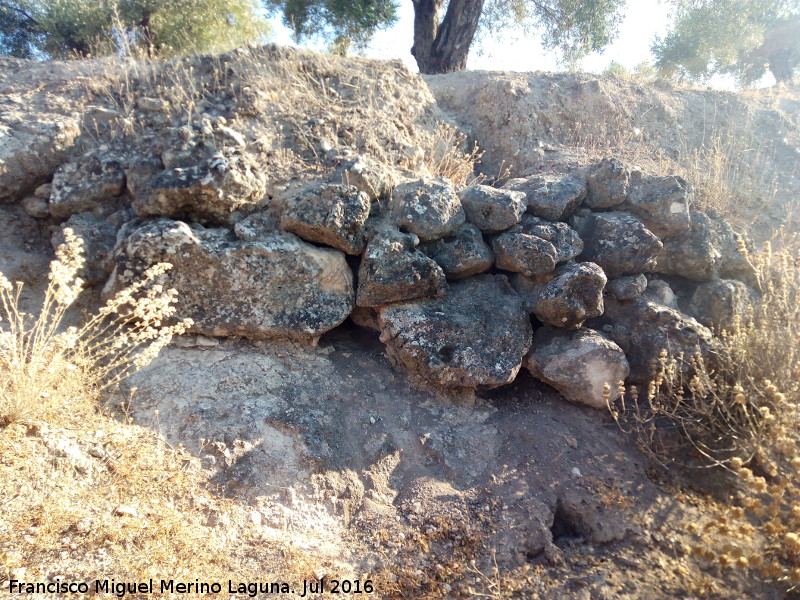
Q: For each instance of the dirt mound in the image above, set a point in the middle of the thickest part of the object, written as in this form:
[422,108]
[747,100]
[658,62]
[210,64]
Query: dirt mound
[540,122]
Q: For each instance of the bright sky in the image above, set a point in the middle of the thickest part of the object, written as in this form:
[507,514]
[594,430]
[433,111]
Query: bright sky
[515,52]
[644,19]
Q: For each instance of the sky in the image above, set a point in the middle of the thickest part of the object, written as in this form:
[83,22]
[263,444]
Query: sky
[513,51]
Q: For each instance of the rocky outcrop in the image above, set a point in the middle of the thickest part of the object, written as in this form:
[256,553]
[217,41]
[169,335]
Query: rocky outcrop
[579,364]
[278,286]
[476,335]
[394,270]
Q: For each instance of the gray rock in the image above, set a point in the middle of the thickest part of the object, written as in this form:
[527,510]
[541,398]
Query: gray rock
[572,294]
[551,199]
[474,336]
[375,179]
[428,208]
[99,237]
[607,183]
[492,209]
[152,104]
[85,185]
[578,364]
[36,207]
[722,304]
[31,150]
[662,203]
[331,214]
[628,287]
[277,287]
[710,249]
[43,191]
[463,255]
[660,292]
[617,241]
[219,190]
[393,270]
[535,247]
[643,329]
[257,225]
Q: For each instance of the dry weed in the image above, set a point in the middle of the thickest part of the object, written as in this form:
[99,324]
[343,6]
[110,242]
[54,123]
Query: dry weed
[740,414]
[45,367]
[445,156]
[731,174]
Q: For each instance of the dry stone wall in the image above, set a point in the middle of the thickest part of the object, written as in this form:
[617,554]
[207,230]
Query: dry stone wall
[465,284]
[582,277]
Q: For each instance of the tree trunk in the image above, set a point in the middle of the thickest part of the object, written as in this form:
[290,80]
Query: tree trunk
[443,47]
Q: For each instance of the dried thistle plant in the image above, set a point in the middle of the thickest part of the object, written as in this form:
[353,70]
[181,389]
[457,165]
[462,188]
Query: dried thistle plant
[45,366]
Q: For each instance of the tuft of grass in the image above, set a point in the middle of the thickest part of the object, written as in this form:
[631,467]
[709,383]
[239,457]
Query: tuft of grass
[445,156]
[46,367]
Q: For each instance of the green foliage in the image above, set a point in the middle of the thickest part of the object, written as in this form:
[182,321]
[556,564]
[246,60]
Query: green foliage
[572,27]
[739,37]
[69,28]
[345,25]
[616,69]
[644,71]
[18,35]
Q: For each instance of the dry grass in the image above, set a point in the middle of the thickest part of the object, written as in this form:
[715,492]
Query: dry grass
[731,174]
[446,156]
[47,367]
[740,414]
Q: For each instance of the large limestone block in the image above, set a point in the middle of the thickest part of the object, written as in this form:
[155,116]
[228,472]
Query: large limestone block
[566,298]
[428,208]
[579,364]
[644,328]
[276,287]
[662,203]
[535,246]
[491,209]
[331,214]
[476,335]
[394,270]
[217,190]
[85,185]
[617,241]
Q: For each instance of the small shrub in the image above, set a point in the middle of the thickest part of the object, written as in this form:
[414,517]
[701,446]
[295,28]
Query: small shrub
[741,415]
[46,367]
